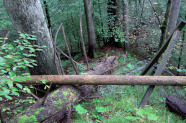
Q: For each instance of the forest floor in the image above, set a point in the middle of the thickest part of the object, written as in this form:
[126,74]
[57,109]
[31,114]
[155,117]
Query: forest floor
[114,103]
[119,104]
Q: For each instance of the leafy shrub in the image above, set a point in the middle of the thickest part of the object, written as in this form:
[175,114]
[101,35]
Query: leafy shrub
[15,59]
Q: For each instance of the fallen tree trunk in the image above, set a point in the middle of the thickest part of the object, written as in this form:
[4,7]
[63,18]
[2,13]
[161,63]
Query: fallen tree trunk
[58,103]
[176,105]
[107,80]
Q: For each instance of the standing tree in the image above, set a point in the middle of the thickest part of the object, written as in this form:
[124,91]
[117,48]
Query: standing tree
[112,16]
[90,28]
[47,14]
[175,8]
[27,17]
[126,23]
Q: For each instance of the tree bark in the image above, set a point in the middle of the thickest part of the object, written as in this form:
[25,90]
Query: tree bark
[175,7]
[59,101]
[90,28]
[126,23]
[27,17]
[165,24]
[47,14]
[181,52]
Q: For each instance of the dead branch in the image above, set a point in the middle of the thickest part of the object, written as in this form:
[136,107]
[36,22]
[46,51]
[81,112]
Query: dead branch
[82,42]
[74,66]
[72,59]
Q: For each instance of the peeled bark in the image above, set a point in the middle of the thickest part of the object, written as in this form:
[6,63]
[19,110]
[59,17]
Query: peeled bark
[27,17]
[58,103]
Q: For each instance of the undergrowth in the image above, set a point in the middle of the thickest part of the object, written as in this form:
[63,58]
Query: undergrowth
[119,104]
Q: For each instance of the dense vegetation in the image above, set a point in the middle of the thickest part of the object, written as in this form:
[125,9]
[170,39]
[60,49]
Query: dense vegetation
[131,30]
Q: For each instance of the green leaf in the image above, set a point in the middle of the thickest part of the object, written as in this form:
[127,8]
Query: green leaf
[10,83]
[19,85]
[8,97]
[153,117]
[14,93]
[100,109]
[80,109]
[14,89]
[22,35]
[130,66]
[27,78]
[31,38]
[132,118]
[121,59]
[5,91]
[11,73]
[1,61]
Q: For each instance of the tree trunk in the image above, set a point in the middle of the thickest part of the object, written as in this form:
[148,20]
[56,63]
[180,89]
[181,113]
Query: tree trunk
[58,102]
[47,14]
[112,18]
[126,23]
[181,52]
[175,7]
[90,28]
[28,17]
[165,24]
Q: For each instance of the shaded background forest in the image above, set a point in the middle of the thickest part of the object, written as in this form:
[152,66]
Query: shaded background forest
[145,18]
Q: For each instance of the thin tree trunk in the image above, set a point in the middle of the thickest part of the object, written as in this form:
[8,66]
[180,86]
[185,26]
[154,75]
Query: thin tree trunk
[165,24]
[126,23]
[27,17]
[181,50]
[90,28]
[82,42]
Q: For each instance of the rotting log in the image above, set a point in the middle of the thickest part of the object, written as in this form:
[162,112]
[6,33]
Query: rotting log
[108,80]
[59,102]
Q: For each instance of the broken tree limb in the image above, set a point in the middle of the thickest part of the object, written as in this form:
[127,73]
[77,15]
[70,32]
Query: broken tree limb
[108,80]
[58,102]
[161,67]
[68,50]
[69,58]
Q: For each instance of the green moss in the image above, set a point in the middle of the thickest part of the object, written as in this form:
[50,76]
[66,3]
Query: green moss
[54,93]
[42,117]
[39,110]
[65,93]
[57,103]
[26,119]
[28,109]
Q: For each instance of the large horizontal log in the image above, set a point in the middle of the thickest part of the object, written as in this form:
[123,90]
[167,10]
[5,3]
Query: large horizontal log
[108,80]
